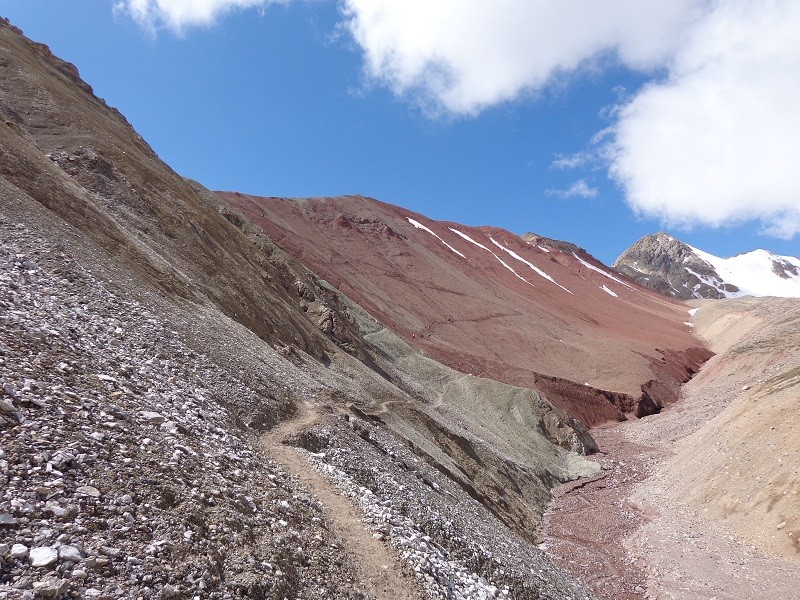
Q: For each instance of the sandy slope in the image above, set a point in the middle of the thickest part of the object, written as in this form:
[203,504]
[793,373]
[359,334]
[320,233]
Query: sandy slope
[736,478]
[742,468]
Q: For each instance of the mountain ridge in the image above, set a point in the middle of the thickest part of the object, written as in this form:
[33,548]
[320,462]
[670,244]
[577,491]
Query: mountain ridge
[152,338]
[676,269]
[191,406]
[532,310]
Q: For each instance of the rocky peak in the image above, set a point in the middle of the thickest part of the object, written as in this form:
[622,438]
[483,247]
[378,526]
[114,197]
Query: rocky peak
[672,268]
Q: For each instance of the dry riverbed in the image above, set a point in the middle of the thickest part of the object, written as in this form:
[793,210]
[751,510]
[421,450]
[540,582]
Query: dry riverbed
[674,514]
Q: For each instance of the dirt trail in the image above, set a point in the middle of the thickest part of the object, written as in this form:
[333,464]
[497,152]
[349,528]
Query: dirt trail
[379,569]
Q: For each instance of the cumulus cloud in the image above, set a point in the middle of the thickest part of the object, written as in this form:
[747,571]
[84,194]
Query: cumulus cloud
[180,14]
[717,141]
[712,139]
[463,56]
[579,189]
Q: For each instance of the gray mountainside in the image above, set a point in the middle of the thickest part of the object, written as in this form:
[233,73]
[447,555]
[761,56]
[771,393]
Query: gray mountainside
[670,267]
[183,406]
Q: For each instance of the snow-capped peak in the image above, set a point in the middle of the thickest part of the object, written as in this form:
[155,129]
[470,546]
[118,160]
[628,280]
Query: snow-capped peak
[757,273]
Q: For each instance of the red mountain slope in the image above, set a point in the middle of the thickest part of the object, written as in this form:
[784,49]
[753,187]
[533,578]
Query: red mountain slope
[485,301]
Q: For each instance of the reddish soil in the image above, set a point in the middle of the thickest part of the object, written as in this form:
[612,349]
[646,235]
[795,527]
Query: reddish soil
[597,353]
[589,520]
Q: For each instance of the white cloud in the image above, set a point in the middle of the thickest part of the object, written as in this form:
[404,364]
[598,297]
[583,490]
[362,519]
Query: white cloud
[179,14]
[714,140]
[579,189]
[717,142]
[563,162]
[461,56]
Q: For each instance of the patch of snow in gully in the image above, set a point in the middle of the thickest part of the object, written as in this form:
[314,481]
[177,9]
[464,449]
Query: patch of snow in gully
[593,268]
[711,281]
[419,225]
[507,266]
[608,291]
[692,312]
[530,264]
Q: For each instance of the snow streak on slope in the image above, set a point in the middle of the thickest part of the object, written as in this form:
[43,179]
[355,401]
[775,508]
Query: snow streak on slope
[419,225]
[754,273]
[593,268]
[609,291]
[507,266]
[530,264]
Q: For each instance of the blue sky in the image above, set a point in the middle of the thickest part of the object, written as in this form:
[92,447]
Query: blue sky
[295,100]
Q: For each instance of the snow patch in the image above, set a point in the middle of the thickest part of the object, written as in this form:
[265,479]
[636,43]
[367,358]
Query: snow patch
[419,225]
[752,273]
[543,249]
[470,240]
[710,281]
[692,312]
[608,291]
[530,264]
[593,268]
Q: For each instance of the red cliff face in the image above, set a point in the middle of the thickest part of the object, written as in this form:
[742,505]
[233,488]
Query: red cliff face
[484,301]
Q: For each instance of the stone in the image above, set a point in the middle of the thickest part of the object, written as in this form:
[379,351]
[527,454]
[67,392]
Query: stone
[152,417]
[19,551]
[50,587]
[69,554]
[8,520]
[44,556]
[88,490]
[111,552]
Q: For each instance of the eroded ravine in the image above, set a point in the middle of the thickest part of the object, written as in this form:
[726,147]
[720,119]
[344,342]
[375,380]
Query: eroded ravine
[585,528]
[633,534]
[380,570]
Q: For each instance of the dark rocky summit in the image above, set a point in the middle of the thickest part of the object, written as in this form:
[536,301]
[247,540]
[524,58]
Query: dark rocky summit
[670,267]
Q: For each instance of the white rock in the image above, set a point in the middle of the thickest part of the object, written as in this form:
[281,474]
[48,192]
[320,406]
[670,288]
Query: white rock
[19,551]
[50,587]
[152,417]
[69,553]
[88,490]
[43,556]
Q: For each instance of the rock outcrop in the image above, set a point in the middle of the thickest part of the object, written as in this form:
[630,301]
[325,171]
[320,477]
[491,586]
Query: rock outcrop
[674,269]
[670,267]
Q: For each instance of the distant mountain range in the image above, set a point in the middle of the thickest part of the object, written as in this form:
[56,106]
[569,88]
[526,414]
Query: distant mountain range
[676,269]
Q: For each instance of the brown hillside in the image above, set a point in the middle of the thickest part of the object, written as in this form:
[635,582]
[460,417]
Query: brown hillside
[550,317]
